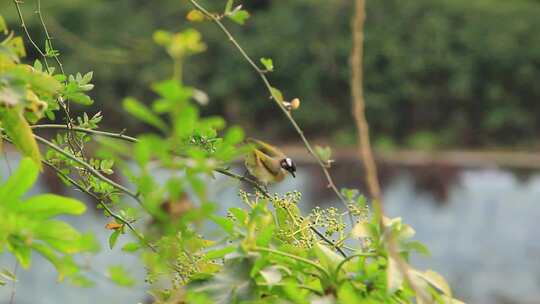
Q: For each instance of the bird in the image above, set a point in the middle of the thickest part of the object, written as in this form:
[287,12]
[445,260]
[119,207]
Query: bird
[267,163]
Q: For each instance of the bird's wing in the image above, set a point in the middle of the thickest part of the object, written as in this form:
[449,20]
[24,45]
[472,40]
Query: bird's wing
[271,164]
[267,149]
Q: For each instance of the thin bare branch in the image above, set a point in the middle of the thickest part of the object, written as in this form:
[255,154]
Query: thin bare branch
[88,131]
[269,87]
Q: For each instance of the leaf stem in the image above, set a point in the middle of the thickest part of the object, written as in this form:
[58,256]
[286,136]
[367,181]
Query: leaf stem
[347,259]
[88,131]
[294,257]
[89,168]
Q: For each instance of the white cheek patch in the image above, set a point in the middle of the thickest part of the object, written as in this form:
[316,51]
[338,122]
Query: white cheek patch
[288,161]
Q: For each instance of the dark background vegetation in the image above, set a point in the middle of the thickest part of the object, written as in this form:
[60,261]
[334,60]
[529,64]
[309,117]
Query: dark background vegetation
[438,73]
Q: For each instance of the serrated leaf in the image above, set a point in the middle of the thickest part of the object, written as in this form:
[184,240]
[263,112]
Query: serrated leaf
[87,77]
[268,63]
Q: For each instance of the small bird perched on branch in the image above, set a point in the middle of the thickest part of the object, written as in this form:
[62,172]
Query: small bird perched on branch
[267,163]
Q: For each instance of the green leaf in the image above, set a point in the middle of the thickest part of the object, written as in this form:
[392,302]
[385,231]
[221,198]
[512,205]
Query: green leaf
[120,276]
[265,235]
[228,6]
[268,63]
[19,182]
[240,214]
[225,223]
[23,254]
[38,66]
[347,294]
[64,265]
[17,44]
[276,94]
[239,16]
[328,258]
[436,280]
[131,247]
[114,237]
[48,205]
[234,135]
[140,111]
[232,285]
[38,81]
[20,133]
[80,98]
[79,280]
[64,238]
[87,77]
[324,153]
[271,275]
[186,121]
[219,253]
[4,29]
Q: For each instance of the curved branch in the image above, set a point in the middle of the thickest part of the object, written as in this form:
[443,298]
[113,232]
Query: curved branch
[101,203]
[88,131]
[294,257]
[89,168]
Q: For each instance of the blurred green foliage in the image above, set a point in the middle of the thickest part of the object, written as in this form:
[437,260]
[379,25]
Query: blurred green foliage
[458,71]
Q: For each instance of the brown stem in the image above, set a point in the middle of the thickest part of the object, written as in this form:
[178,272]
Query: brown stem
[357,93]
[366,154]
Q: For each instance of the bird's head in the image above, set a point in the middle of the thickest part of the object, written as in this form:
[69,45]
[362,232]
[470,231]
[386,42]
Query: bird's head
[288,165]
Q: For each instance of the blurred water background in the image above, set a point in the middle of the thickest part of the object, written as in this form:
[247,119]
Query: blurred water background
[481,234]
